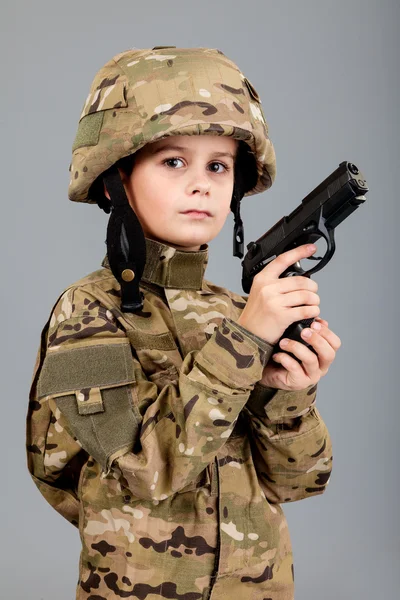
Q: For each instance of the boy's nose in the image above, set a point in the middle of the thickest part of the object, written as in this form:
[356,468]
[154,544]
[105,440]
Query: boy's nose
[199,184]
[201,188]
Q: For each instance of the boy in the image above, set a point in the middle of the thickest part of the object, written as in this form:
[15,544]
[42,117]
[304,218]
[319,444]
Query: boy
[159,423]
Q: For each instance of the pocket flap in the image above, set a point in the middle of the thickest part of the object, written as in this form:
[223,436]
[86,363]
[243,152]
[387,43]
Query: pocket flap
[83,371]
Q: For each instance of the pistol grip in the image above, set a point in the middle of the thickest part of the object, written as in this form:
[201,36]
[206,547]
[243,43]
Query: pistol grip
[293,332]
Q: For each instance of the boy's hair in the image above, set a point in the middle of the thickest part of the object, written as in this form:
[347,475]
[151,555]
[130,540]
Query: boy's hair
[245,176]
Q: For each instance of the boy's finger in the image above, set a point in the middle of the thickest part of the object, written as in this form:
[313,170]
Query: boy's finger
[276,267]
[289,363]
[332,339]
[321,321]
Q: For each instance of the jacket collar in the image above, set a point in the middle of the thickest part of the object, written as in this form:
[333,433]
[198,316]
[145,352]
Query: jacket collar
[171,268]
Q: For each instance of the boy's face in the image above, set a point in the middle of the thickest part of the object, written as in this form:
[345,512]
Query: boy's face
[180,174]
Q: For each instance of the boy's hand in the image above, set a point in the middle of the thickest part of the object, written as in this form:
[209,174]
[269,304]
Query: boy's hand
[292,375]
[273,303]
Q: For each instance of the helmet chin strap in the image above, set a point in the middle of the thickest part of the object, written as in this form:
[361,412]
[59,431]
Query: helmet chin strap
[245,178]
[126,245]
[238,230]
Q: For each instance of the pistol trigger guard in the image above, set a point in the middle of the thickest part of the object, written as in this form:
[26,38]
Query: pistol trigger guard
[329,237]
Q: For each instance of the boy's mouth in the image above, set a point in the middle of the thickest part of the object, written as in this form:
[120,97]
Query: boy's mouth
[197,213]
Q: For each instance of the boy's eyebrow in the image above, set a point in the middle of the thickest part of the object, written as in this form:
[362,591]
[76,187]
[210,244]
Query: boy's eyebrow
[169,147]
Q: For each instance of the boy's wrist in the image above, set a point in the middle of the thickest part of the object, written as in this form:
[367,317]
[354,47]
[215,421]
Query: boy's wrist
[257,339]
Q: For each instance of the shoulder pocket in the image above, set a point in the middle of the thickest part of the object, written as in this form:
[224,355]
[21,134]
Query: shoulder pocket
[92,387]
[158,355]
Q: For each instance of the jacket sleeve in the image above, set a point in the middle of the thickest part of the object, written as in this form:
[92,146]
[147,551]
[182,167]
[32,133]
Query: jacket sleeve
[158,440]
[291,445]
[54,456]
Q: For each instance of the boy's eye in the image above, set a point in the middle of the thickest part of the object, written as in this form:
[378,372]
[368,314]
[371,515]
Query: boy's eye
[176,163]
[173,162]
[218,167]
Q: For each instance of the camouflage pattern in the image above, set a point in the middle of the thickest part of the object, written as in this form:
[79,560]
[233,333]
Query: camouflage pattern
[141,96]
[181,497]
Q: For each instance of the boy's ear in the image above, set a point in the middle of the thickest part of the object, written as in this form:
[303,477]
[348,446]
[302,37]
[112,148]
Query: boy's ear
[123,179]
[107,195]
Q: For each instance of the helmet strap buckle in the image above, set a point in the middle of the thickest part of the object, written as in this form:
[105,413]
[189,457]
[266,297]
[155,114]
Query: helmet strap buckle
[238,230]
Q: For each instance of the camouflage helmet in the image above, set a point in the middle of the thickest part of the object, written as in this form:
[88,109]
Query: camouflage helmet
[141,96]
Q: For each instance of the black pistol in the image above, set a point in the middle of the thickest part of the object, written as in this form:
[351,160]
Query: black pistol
[317,216]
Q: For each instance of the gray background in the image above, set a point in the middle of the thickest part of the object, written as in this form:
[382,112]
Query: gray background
[328,75]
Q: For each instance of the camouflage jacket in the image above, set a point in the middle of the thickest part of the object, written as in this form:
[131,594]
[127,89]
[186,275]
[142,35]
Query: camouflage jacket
[151,433]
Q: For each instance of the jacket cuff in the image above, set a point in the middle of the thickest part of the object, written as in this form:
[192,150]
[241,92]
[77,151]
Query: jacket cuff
[234,355]
[278,404]
[266,346]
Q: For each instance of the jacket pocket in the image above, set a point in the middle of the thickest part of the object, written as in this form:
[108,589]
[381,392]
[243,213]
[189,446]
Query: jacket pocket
[158,355]
[92,388]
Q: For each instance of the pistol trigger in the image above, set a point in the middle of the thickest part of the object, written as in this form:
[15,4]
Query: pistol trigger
[295,269]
